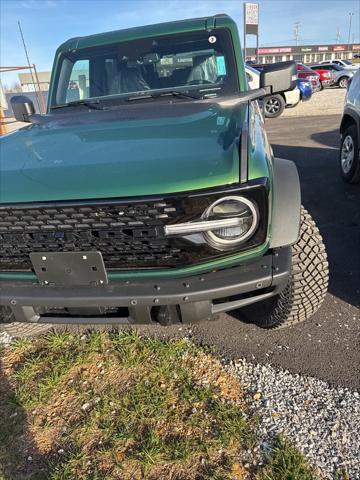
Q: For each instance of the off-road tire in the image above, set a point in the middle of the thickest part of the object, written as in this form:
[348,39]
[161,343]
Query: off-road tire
[342,82]
[307,285]
[353,174]
[279,104]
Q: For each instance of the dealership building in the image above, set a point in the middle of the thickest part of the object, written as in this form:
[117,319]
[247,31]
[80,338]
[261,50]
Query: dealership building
[303,53]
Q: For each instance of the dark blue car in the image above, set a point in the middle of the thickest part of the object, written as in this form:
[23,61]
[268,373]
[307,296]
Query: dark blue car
[305,89]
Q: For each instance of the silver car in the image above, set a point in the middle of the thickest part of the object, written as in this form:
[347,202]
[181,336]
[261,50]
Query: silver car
[342,63]
[341,75]
[350,133]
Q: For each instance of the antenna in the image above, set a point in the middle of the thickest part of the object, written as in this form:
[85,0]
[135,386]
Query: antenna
[30,67]
[296,32]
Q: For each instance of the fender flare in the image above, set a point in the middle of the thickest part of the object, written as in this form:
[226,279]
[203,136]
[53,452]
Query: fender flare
[285,224]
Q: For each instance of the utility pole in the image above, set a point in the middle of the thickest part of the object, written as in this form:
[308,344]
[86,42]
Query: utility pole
[296,32]
[350,20]
[30,69]
[338,35]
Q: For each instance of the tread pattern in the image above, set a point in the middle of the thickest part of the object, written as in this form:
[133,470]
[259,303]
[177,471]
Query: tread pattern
[308,284]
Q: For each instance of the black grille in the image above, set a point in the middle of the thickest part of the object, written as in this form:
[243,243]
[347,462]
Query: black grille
[128,234]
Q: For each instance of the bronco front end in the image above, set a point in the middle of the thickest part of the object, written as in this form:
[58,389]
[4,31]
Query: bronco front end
[148,193]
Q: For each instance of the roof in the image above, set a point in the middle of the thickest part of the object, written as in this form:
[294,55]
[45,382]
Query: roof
[116,36]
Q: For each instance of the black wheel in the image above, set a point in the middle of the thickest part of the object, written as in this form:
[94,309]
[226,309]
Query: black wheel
[307,285]
[350,155]
[274,106]
[343,81]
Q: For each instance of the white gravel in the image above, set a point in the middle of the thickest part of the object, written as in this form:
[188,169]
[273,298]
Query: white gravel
[5,339]
[321,421]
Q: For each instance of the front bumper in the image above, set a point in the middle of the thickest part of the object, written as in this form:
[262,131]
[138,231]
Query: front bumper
[167,301]
[327,83]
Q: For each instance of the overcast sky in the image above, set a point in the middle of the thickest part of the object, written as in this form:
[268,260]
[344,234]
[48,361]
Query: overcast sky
[47,23]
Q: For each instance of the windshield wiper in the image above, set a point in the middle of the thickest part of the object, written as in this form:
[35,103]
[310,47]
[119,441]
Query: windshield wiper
[173,93]
[95,104]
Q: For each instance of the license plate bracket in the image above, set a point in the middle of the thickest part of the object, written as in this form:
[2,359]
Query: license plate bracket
[69,268]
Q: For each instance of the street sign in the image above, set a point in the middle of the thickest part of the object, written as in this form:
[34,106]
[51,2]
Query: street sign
[251,16]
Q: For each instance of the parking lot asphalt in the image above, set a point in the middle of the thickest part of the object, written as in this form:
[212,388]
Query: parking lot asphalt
[328,345]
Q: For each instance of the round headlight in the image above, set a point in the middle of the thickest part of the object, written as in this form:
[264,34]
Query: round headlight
[233,207]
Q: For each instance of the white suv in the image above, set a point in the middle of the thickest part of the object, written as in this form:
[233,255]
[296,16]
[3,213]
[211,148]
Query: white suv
[350,133]
[273,104]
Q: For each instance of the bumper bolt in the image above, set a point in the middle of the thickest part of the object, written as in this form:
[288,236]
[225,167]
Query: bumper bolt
[156,300]
[185,299]
[13,302]
[157,287]
[259,285]
[186,285]
[133,302]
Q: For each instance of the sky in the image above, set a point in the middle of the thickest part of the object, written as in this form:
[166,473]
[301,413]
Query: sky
[48,23]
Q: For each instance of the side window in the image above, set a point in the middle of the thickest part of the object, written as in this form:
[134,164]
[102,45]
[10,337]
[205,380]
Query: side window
[78,86]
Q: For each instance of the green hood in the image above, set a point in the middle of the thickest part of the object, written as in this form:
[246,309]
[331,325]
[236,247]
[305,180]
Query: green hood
[144,149]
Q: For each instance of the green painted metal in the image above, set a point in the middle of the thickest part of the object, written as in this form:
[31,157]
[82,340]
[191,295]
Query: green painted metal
[122,158]
[138,157]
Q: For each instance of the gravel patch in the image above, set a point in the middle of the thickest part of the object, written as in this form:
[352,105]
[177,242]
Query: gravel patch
[329,101]
[321,421]
[5,339]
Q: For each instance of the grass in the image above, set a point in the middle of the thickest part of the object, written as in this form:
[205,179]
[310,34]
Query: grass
[286,463]
[119,406]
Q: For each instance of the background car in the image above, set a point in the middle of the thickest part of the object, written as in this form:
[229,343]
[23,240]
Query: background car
[305,89]
[350,133]
[341,75]
[342,63]
[306,73]
[327,78]
[273,105]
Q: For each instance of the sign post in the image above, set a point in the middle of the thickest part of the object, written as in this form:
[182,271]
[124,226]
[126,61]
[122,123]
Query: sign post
[251,25]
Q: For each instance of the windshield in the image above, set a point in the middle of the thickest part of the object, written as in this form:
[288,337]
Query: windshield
[347,62]
[197,61]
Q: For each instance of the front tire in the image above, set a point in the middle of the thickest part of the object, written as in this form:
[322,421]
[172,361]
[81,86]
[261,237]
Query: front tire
[343,81]
[306,287]
[274,105]
[350,155]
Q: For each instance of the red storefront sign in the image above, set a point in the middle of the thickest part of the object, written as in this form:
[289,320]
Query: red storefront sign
[264,51]
[323,49]
[339,48]
[356,47]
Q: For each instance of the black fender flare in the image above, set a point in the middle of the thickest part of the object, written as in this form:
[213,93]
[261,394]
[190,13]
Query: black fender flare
[285,222]
[353,116]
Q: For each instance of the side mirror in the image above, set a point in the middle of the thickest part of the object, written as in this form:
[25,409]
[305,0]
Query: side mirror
[22,107]
[278,77]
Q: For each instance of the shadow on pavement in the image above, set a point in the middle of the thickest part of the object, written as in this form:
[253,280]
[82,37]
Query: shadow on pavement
[328,139]
[335,206]
[19,457]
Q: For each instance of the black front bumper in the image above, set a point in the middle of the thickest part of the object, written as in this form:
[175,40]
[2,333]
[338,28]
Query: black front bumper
[166,301]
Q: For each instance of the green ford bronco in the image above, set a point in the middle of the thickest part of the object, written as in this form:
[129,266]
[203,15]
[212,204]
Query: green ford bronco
[149,193]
